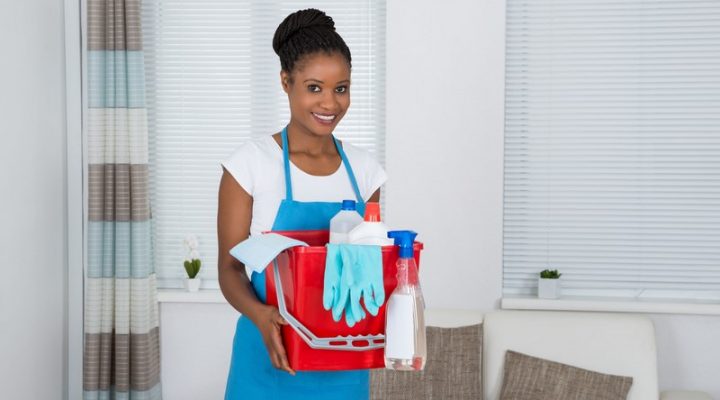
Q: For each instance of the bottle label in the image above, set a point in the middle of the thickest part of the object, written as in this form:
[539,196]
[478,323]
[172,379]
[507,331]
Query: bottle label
[400,328]
[337,237]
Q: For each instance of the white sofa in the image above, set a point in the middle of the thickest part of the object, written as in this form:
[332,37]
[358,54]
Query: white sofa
[618,344]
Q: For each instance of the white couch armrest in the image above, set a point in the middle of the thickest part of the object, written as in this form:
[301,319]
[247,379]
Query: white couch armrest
[616,344]
[684,395]
[452,318]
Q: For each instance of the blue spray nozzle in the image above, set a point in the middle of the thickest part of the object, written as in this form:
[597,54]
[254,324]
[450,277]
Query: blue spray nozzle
[405,241]
[348,205]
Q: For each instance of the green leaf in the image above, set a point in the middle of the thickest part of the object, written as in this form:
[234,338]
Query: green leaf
[192,268]
[550,274]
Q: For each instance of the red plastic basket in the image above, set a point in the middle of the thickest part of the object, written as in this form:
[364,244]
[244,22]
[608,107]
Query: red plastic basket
[301,271]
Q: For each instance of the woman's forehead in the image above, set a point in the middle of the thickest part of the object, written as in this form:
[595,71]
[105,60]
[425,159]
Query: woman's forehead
[323,67]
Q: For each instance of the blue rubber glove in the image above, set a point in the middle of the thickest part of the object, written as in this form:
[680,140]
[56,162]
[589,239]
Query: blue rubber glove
[331,286]
[335,295]
[361,277]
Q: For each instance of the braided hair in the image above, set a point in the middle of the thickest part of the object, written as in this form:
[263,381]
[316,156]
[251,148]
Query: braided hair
[307,32]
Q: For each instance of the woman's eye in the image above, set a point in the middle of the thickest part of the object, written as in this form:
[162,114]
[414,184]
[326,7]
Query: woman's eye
[341,89]
[314,88]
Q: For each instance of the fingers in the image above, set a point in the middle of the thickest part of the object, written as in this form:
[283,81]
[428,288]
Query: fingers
[278,319]
[379,293]
[329,296]
[339,306]
[270,325]
[370,302]
[349,318]
[333,268]
[278,356]
[374,302]
[355,306]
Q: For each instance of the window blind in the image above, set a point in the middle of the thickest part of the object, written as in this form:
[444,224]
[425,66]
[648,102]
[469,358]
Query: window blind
[612,147]
[212,82]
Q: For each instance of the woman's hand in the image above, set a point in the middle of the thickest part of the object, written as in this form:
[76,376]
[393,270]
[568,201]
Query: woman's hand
[268,322]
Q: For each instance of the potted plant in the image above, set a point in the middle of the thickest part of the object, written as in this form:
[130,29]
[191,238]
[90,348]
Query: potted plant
[192,265]
[549,284]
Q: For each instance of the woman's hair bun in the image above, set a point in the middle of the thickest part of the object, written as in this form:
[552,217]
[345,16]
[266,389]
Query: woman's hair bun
[298,21]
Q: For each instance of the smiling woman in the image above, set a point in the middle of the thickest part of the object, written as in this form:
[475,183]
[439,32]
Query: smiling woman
[292,180]
[212,85]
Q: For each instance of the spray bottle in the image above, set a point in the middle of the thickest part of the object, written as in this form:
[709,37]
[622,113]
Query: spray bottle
[405,345]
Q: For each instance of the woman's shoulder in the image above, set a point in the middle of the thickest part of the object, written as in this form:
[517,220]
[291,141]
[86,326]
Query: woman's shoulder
[368,171]
[257,149]
[357,154]
[254,158]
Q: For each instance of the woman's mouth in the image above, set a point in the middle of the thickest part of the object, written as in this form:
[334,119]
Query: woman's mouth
[325,119]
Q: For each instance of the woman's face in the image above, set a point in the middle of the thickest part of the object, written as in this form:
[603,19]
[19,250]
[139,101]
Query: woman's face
[318,91]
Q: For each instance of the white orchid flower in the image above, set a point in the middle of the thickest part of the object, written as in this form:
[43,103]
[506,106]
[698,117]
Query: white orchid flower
[191,242]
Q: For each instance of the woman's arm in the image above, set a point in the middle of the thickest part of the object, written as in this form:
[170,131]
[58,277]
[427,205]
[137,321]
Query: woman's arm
[233,226]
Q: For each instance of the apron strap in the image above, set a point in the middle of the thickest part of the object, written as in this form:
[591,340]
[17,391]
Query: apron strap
[349,170]
[286,162]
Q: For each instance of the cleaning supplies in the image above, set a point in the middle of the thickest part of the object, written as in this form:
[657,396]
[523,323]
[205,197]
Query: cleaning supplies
[372,230]
[331,281]
[405,344]
[363,274]
[344,221]
[257,251]
[353,273]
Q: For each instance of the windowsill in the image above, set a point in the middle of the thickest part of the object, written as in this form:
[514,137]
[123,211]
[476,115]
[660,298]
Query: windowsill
[183,296]
[569,303]
[574,303]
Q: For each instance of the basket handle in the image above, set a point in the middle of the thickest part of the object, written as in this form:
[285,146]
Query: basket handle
[348,343]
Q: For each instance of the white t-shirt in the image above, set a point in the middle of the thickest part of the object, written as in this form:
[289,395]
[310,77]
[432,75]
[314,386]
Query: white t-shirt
[257,165]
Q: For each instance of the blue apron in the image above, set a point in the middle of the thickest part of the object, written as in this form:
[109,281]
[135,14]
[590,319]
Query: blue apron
[252,375]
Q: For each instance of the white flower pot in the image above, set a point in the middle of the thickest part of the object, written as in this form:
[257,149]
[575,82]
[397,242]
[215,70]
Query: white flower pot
[192,285]
[548,288]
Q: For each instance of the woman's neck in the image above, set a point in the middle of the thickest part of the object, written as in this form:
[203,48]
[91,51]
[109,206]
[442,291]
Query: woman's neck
[303,141]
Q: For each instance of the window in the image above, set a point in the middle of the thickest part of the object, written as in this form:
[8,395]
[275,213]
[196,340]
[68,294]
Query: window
[612,147]
[212,82]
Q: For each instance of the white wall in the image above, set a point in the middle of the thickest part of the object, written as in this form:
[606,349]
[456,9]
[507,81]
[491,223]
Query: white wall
[32,209]
[196,342]
[445,79]
[688,352]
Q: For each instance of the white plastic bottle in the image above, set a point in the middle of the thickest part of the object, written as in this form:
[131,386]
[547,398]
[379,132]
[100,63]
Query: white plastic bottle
[405,340]
[344,221]
[371,230]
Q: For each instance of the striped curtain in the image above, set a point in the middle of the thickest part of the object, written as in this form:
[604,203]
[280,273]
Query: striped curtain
[121,357]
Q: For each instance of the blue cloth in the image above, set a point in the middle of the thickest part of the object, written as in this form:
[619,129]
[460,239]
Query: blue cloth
[258,251]
[252,375]
[353,272]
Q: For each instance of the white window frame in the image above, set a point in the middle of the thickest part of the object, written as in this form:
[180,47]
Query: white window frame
[639,302]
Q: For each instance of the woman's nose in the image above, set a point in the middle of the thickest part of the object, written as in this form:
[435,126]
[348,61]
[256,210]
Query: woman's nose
[329,101]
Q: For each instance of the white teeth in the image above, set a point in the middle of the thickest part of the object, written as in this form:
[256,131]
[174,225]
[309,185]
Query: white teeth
[325,117]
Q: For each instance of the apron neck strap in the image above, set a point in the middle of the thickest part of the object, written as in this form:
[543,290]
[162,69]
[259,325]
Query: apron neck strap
[349,170]
[286,163]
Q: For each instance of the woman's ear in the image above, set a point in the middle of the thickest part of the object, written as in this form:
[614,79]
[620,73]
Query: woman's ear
[285,81]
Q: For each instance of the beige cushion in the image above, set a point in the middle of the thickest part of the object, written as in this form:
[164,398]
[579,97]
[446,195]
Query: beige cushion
[531,378]
[452,370]
[618,344]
